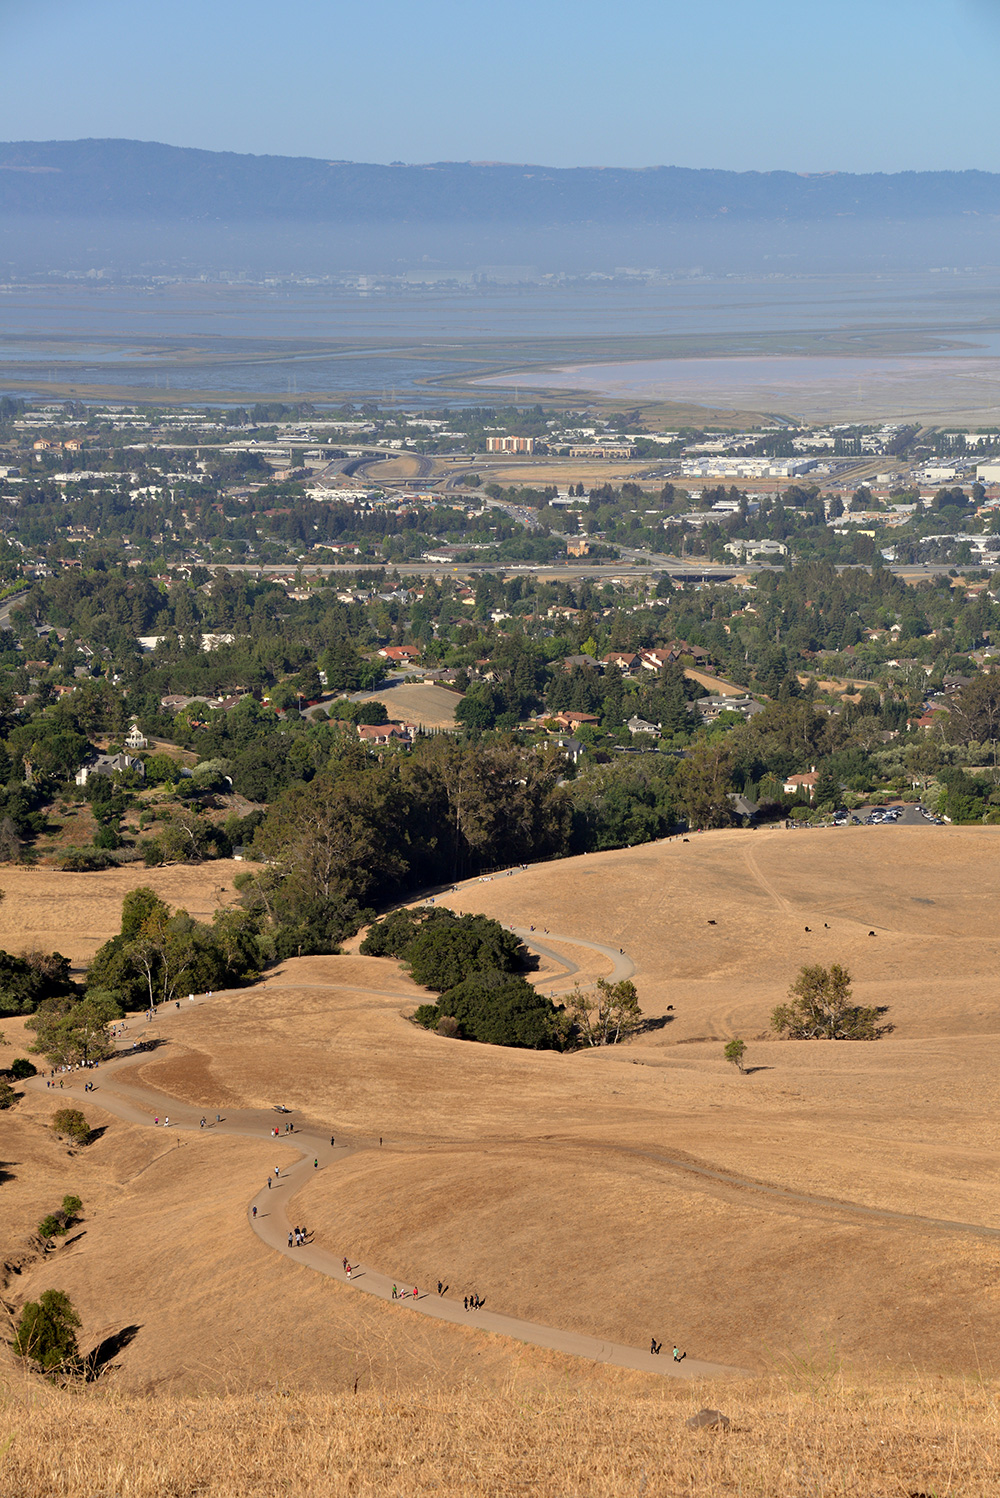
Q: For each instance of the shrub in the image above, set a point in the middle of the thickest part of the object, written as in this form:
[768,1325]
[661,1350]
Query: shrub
[21,1068]
[8,1097]
[444,952]
[70,1123]
[392,936]
[46,1333]
[495,1008]
[56,1224]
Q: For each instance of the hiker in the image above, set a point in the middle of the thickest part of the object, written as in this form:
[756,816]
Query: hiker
[440,1288]
[652,1345]
[414,1292]
[277,1171]
[269,1183]
[395,1293]
[679,1356]
[331,1141]
[315,1164]
[348,1271]
[465,1303]
[290,1240]
[202,1124]
[255,1212]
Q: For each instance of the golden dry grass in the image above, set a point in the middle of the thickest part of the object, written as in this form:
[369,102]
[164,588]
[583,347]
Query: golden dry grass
[423,703]
[75,913]
[812,1433]
[553,1184]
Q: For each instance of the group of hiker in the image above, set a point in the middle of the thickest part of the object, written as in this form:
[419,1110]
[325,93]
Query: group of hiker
[297,1237]
[657,1347]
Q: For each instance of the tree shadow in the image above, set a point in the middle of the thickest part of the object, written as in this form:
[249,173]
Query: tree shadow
[100,1359]
[5,1174]
[748,1071]
[97,1133]
[655,1022]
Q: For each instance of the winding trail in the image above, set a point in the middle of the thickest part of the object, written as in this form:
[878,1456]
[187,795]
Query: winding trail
[139,1105]
[126,1099]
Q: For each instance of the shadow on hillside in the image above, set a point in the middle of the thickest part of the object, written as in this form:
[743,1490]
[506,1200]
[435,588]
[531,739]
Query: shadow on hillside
[101,1359]
[748,1071]
[655,1022]
[5,1174]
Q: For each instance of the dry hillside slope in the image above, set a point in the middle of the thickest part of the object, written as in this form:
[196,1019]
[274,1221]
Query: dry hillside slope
[556,1185]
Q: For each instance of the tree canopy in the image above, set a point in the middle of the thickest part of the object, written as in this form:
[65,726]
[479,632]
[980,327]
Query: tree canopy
[821,1007]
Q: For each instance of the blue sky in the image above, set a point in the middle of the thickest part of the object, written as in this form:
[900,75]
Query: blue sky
[876,86]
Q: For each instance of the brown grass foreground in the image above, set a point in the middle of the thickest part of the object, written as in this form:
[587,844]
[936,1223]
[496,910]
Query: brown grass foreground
[809,1433]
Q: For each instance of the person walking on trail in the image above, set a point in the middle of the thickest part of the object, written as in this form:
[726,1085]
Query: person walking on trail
[202,1125]
[395,1293]
[269,1183]
[465,1303]
[331,1141]
[254,1214]
[290,1244]
[414,1292]
[315,1164]
[678,1355]
[277,1171]
[166,1123]
[349,1271]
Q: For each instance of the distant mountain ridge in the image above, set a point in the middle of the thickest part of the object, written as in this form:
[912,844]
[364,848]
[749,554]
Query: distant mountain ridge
[141,180]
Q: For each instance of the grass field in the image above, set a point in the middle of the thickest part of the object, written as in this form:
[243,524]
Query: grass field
[558,1185]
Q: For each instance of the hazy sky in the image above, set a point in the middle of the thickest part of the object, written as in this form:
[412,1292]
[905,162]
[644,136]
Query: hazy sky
[857,85]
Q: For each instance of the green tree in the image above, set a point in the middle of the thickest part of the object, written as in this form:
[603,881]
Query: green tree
[821,1007]
[46,1333]
[607,1015]
[69,1123]
[445,951]
[735,1052]
[702,783]
[495,1008]
[70,1032]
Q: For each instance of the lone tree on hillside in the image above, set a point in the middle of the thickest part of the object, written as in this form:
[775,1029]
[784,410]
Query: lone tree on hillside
[46,1333]
[820,1007]
[735,1052]
[69,1123]
[608,1015]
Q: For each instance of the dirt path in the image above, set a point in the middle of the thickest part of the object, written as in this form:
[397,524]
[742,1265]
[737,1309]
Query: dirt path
[268,1218]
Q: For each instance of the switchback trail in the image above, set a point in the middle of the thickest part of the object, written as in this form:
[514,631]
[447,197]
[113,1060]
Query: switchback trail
[140,1104]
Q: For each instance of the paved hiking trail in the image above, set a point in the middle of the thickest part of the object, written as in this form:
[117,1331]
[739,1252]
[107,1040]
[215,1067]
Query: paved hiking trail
[133,1103]
[117,1094]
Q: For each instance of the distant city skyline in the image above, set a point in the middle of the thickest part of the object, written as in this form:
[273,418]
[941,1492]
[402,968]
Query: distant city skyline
[875,86]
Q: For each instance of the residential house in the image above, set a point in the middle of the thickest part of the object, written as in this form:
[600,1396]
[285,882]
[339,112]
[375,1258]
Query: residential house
[709,708]
[110,764]
[135,739]
[626,661]
[801,785]
[400,655]
[639,725]
[387,733]
[572,720]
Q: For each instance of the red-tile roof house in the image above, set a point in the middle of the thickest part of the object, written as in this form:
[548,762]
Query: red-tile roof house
[801,784]
[400,652]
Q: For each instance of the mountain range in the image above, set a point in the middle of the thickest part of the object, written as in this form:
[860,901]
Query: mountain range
[142,180]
